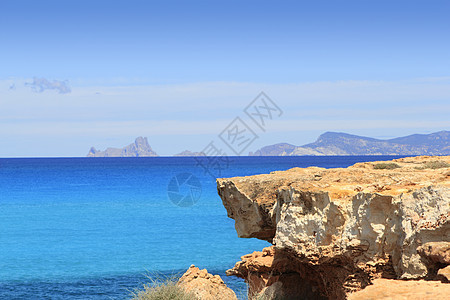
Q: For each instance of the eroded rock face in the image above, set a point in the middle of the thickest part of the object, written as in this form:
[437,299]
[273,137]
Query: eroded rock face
[205,286]
[341,228]
[272,274]
[436,252]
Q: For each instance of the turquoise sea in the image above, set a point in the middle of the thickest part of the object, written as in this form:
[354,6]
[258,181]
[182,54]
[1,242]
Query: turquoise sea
[93,228]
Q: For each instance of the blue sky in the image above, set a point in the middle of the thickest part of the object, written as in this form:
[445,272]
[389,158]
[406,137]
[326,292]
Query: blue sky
[179,71]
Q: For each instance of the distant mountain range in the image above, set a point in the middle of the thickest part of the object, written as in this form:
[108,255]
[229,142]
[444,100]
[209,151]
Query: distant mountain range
[337,143]
[329,143]
[140,148]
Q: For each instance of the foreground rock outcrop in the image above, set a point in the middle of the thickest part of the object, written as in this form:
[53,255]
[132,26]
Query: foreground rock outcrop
[335,231]
[205,286]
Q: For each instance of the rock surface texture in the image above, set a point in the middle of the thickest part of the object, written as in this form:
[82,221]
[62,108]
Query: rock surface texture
[335,231]
[403,290]
[205,286]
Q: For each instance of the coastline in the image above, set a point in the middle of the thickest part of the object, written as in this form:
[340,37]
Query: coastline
[89,180]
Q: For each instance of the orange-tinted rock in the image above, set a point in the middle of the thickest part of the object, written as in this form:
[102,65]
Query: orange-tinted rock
[205,286]
[250,200]
[444,274]
[437,252]
[336,230]
[403,290]
[271,273]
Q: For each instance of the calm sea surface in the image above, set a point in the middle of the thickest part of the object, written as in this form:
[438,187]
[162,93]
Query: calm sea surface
[93,228]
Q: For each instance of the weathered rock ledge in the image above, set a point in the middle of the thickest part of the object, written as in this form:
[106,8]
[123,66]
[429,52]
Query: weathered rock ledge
[334,231]
[205,286]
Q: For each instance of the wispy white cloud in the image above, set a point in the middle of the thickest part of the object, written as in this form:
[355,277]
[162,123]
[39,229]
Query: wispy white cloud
[40,84]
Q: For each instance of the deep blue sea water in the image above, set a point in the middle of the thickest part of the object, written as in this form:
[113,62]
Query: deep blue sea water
[93,228]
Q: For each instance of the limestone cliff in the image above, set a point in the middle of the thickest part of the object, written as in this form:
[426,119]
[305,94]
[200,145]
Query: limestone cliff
[205,286]
[140,148]
[334,231]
